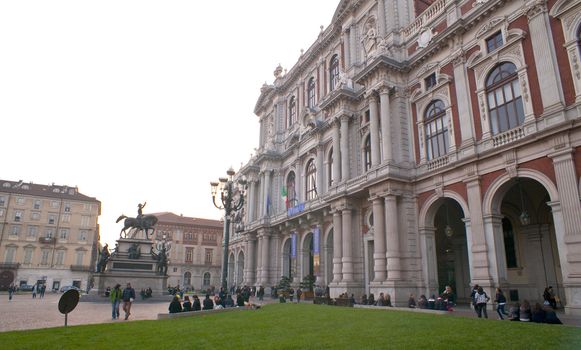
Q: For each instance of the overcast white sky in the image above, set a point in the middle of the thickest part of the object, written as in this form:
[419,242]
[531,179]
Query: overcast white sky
[136,101]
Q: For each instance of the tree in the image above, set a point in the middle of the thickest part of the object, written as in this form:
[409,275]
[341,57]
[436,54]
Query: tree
[308,283]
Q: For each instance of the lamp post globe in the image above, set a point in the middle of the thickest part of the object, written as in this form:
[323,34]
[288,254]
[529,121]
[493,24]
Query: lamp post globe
[231,200]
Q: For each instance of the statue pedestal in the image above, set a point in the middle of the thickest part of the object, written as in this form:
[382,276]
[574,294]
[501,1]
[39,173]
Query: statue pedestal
[132,263]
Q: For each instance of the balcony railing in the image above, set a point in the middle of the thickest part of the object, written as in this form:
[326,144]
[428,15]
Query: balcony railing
[508,136]
[80,268]
[9,266]
[425,18]
[46,240]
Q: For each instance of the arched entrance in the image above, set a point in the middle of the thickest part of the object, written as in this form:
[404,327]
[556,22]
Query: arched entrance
[329,258]
[528,258]
[6,278]
[240,269]
[308,264]
[453,268]
[231,265]
[287,259]
[187,280]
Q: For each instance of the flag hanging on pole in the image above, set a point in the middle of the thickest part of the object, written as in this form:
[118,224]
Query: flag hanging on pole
[284,195]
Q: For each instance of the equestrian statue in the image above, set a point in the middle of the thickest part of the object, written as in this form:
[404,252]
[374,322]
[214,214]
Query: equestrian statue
[140,223]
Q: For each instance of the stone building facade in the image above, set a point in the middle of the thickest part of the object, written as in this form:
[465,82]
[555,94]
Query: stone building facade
[48,234]
[418,144]
[195,257]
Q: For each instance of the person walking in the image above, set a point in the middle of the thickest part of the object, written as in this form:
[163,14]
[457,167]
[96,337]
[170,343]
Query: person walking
[128,297]
[500,301]
[481,300]
[473,297]
[115,297]
[34,290]
[299,294]
[11,290]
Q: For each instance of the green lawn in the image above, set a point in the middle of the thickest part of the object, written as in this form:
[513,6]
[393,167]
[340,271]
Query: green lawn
[302,326]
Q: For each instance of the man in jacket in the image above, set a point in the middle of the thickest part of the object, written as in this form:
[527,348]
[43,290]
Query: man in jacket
[128,296]
[115,297]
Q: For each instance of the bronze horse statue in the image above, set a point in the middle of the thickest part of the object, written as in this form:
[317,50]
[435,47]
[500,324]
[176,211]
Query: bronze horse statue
[145,223]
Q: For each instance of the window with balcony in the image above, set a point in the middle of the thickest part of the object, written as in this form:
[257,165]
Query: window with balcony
[494,42]
[292,111]
[504,98]
[367,153]
[436,130]
[334,72]
[311,180]
[311,90]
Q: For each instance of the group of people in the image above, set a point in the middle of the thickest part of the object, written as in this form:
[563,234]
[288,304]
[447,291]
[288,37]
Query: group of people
[37,289]
[118,295]
[518,312]
[218,302]
[382,300]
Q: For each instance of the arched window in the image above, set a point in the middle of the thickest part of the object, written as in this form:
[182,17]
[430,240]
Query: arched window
[187,279]
[311,181]
[311,93]
[367,153]
[334,72]
[291,193]
[330,168]
[509,244]
[206,281]
[579,39]
[504,98]
[436,127]
[292,111]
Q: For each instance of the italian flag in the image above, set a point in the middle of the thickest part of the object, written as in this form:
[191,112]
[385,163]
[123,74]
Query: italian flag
[284,195]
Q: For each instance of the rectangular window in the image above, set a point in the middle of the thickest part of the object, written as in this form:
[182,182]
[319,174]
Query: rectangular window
[189,254]
[9,258]
[87,207]
[85,221]
[2,201]
[209,253]
[17,215]
[66,217]
[430,81]
[494,42]
[82,235]
[60,257]
[64,233]
[35,215]
[44,257]
[20,200]
[28,255]
[15,231]
[80,257]
[1,212]
[48,233]
[67,208]
[51,219]
[32,231]
[37,203]
[54,204]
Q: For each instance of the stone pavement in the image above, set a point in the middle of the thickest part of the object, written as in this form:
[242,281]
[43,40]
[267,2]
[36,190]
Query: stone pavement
[23,312]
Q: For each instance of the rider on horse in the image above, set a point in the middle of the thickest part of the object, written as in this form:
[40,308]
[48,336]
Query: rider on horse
[140,212]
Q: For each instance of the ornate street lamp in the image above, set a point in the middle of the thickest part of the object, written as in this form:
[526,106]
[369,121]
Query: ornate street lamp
[524,215]
[232,200]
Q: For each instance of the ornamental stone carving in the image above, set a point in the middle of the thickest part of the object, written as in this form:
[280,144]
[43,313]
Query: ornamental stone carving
[425,37]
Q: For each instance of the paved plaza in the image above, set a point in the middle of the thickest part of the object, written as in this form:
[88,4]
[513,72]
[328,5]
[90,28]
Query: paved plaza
[23,312]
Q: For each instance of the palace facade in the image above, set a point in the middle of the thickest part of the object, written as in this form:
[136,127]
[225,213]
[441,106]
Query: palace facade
[49,234]
[195,256]
[418,144]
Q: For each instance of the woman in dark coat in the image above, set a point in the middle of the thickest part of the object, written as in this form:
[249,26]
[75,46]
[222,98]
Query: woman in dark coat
[175,306]
[196,306]
[187,306]
[208,303]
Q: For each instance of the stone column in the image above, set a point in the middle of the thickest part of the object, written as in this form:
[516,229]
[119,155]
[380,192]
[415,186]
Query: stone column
[266,192]
[385,124]
[429,259]
[464,109]
[264,260]
[479,273]
[344,148]
[545,59]
[259,272]
[374,129]
[336,153]
[251,201]
[346,50]
[337,246]
[496,253]
[347,259]
[568,191]
[353,45]
[378,240]
[320,170]
[392,238]
[251,269]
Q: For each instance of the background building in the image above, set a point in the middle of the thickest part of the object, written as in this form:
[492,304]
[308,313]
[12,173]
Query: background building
[418,144]
[195,256]
[48,234]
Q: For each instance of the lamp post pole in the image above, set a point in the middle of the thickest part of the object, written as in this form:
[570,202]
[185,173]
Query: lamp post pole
[229,190]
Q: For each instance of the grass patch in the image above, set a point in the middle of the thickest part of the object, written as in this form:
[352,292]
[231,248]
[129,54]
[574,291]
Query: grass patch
[302,326]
